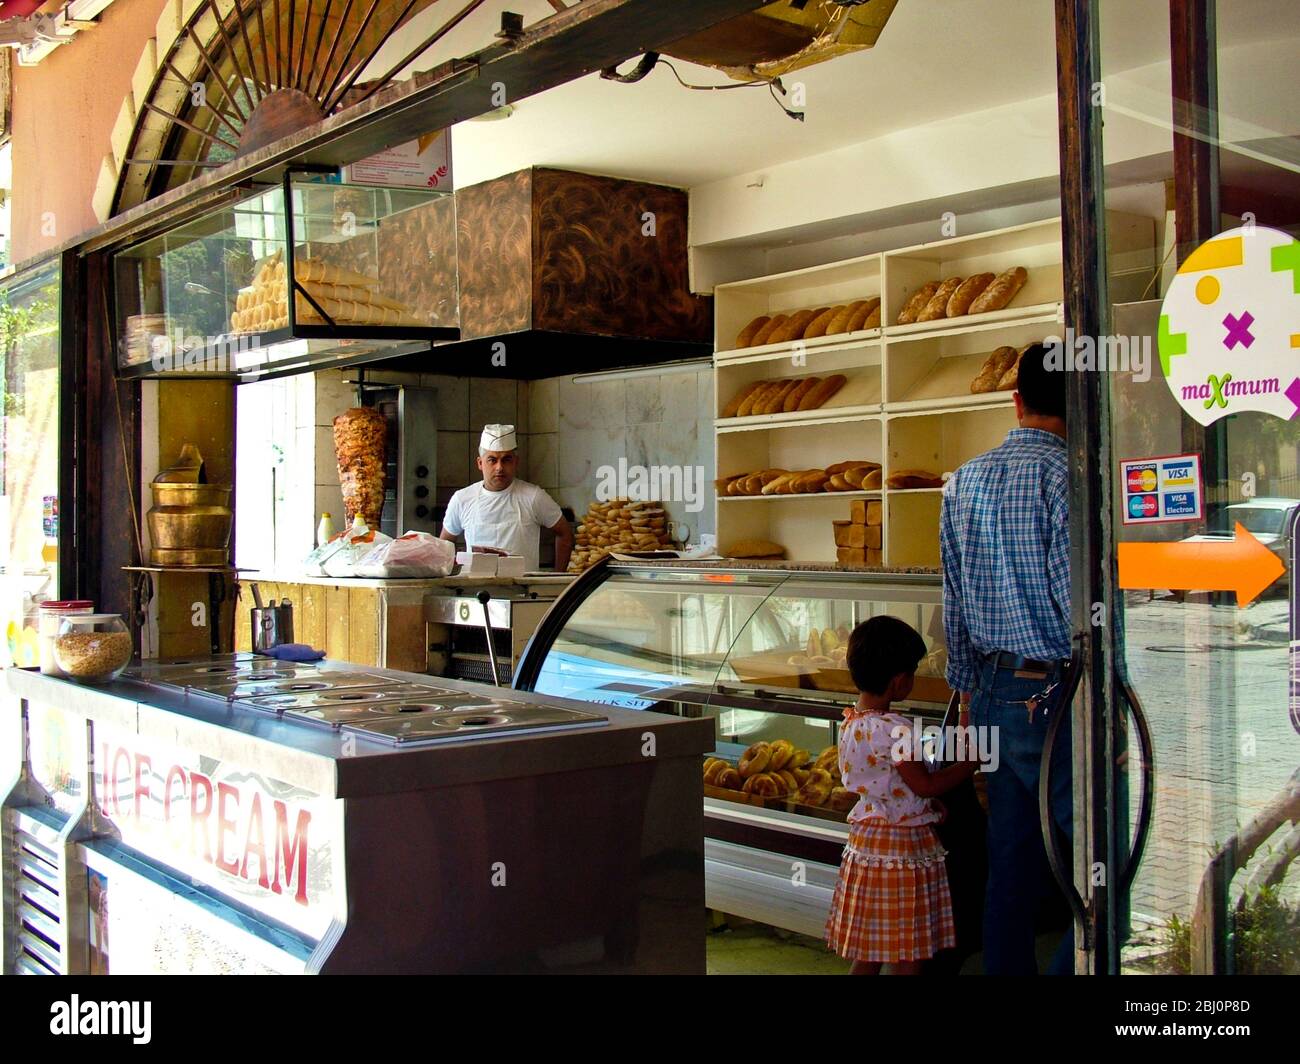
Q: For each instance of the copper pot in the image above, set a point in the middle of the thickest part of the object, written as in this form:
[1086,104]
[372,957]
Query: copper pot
[190,521]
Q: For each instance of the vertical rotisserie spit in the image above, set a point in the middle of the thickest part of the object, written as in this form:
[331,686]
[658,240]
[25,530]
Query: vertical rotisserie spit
[359,441]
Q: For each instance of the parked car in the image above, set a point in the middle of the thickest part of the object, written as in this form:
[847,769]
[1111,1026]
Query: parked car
[1267,519]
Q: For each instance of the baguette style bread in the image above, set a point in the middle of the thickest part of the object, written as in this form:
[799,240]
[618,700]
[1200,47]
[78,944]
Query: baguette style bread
[752,400]
[859,317]
[810,480]
[792,328]
[987,378]
[839,482]
[917,303]
[794,398]
[840,323]
[747,334]
[752,485]
[733,407]
[873,319]
[871,482]
[841,467]
[778,486]
[914,478]
[817,327]
[818,396]
[774,401]
[967,292]
[1002,291]
[857,475]
[938,306]
[761,337]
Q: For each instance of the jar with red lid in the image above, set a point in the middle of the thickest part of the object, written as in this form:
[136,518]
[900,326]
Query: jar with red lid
[51,613]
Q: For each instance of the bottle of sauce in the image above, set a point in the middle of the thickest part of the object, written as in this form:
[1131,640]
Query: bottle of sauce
[325,530]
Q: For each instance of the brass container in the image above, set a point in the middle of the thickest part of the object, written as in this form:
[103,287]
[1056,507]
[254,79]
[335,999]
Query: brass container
[190,521]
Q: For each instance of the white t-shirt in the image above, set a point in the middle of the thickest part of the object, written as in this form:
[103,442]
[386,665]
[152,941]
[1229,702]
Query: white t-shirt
[509,520]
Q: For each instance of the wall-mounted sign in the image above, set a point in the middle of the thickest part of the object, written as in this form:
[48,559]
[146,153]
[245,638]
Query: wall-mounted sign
[422,163]
[1161,489]
[1229,336]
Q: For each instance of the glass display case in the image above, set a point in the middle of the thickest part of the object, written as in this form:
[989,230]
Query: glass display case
[372,272]
[760,651]
[735,644]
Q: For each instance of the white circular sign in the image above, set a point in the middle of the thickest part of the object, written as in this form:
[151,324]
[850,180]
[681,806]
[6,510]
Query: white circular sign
[1229,337]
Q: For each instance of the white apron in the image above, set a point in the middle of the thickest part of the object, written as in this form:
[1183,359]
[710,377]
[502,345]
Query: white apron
[495,519]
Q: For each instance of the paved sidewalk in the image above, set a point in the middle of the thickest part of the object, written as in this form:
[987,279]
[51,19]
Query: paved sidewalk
[1214,683]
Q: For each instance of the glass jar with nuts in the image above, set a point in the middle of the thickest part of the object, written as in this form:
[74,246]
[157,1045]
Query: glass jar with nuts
[93,647]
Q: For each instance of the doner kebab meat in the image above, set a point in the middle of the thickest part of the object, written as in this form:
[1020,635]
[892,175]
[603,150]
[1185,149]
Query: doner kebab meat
[359,440]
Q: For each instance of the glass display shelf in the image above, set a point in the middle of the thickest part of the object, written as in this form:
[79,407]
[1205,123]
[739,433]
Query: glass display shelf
[211,297]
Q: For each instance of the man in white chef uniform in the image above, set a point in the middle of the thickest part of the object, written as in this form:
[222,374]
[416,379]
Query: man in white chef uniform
[503,514]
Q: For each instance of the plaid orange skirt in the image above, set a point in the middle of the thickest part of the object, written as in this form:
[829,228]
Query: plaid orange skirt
[891,900]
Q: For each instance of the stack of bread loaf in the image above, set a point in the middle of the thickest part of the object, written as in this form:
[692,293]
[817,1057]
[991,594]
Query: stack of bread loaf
[785,395]
[1001,370]
[958,296]
[826,648]
[360,437]
[858,540]
[778,771]
[853,475]
[808,324]
[619,525]
[349,298]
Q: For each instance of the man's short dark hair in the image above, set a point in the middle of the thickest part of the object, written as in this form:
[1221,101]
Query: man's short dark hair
[1041,388]
[881,648]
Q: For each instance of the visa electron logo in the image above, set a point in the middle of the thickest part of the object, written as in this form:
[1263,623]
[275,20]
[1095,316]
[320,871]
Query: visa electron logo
[1229,337]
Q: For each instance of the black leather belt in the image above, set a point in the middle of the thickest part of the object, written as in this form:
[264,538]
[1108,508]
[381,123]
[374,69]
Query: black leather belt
[1004,659]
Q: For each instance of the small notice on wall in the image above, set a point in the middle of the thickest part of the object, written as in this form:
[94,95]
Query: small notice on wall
[423,163]
[1167,488]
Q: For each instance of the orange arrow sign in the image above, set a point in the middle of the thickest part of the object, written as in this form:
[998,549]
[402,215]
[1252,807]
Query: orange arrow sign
[1242,564]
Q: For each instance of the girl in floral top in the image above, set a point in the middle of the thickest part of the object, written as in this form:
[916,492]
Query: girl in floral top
[891,903]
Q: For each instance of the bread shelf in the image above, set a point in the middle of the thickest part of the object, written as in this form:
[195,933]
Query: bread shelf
[824,416]
[908,403]
[1045,313]
[817,345]
[818,495]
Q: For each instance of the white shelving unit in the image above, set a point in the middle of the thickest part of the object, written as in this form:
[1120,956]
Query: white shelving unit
[907,403]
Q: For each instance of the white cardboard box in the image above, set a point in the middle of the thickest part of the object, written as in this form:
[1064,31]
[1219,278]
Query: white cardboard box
[473,563]
[510,565]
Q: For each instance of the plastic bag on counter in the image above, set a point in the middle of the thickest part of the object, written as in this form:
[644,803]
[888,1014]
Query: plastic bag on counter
[358,541]
[313,564]
[414,554]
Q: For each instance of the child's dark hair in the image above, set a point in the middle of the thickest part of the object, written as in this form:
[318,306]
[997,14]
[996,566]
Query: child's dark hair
[881,648]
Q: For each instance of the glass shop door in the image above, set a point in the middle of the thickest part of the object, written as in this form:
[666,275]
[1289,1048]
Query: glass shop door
[1202,164]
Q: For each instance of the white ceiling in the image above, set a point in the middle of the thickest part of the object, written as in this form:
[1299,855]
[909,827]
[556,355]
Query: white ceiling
[936,59]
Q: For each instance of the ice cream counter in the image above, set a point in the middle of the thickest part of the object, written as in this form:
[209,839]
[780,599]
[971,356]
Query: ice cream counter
[235,814]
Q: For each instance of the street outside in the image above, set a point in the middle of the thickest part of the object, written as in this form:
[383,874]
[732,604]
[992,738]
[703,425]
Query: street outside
[1214,683]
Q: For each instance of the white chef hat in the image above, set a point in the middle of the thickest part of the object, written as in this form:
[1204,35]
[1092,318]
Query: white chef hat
[498,438]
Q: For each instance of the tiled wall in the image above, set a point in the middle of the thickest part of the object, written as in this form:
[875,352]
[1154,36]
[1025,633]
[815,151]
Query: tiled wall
[667,420]
[567,431]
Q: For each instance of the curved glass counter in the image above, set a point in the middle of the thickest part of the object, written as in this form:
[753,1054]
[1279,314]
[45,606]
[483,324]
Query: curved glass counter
[760,650]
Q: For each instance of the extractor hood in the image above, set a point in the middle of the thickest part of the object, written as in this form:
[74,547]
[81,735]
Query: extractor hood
[563,272]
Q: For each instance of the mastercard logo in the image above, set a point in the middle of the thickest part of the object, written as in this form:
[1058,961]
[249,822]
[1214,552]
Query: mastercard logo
[1142,480]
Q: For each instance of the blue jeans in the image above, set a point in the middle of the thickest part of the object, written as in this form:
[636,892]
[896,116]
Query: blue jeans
[1019,877]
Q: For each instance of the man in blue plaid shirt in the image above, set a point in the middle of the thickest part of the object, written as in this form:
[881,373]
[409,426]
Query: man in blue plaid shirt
[1005,545]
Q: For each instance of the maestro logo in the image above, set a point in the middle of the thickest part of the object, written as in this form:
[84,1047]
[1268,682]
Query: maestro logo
[1229,336]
